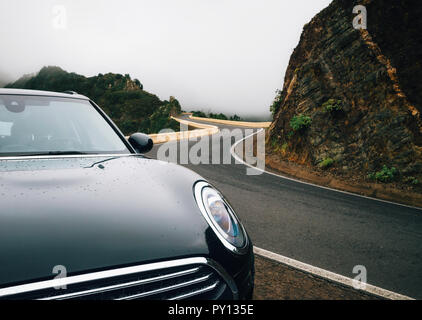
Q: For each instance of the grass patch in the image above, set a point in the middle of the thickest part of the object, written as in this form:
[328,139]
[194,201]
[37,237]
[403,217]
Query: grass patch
[300,122]
[386,174]
[326,163]
[274,143]
[412,180]
[332,105]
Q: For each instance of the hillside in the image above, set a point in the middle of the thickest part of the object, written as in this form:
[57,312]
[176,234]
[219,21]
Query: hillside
[4,79]
[351,100]
[123,99]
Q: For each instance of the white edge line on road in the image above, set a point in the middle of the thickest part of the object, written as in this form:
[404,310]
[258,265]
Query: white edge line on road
[329,275]
[234,155]
[307,267]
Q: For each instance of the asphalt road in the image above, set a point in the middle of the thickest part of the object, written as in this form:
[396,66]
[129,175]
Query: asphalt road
[327,229]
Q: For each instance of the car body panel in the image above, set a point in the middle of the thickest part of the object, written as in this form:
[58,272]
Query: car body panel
[89,213]
[101,212]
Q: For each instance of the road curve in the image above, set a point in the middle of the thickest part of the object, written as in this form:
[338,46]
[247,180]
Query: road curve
[324,228]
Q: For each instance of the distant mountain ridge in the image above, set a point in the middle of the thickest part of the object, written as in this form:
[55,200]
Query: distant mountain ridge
[4,79]
[122,98]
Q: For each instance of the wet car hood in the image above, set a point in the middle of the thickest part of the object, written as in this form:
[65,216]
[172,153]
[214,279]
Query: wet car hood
[93,213]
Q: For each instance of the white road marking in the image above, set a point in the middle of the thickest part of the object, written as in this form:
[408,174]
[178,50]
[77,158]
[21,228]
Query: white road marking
[234,155]
[329,275]
[312,269]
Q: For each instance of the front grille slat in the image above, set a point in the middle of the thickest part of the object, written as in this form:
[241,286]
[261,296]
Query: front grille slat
[191,278]
[196,292]
[165,289]
[120,286]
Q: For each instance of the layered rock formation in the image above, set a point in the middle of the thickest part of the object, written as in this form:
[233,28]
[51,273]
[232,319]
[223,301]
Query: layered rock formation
[360,88]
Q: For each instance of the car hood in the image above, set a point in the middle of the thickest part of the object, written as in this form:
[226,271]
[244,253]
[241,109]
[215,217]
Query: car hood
[94,213]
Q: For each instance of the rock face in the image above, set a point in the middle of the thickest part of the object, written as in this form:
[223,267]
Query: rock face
[362,90]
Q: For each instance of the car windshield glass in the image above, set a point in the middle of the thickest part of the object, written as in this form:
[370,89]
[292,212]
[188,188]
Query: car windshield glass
[32,125]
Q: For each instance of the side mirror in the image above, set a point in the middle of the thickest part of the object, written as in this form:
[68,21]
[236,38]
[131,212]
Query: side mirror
[141,142]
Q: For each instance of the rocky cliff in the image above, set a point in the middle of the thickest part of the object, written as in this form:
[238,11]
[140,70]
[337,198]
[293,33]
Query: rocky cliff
[351,99]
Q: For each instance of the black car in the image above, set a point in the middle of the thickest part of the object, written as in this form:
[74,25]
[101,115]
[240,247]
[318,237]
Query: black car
[83,215]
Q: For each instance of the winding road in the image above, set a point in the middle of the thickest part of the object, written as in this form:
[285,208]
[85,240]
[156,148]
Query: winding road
[331,230]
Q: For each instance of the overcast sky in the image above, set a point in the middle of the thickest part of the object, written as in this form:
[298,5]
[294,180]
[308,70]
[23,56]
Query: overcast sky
[218,55]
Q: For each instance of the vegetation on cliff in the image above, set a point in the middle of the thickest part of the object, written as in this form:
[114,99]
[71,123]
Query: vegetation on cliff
[351,101]
[220,116]
[123,99]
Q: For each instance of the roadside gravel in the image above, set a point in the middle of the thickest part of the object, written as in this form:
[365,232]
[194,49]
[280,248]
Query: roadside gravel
[275,281]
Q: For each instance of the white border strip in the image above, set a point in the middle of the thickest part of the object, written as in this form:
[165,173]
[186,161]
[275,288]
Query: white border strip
[329,275]
[237,158]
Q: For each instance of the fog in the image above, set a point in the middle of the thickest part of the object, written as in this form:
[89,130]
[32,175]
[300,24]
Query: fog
[212,55]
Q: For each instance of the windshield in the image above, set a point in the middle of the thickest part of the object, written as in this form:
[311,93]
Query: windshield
[32,125]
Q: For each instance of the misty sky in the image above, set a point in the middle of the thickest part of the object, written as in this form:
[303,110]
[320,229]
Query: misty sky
[220,55]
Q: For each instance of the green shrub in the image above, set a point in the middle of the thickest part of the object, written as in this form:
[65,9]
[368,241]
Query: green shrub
[412,180]
[199,114]
[274,143]
[326,163]
[219,116]
[332,105]
[235,118]
[160,119]
[300,122]
[384,175]
[276,103]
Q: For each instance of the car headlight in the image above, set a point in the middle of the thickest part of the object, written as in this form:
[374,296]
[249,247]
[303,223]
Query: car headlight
[220,216]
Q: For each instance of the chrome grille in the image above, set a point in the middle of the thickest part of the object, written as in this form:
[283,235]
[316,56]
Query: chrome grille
[193,278]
